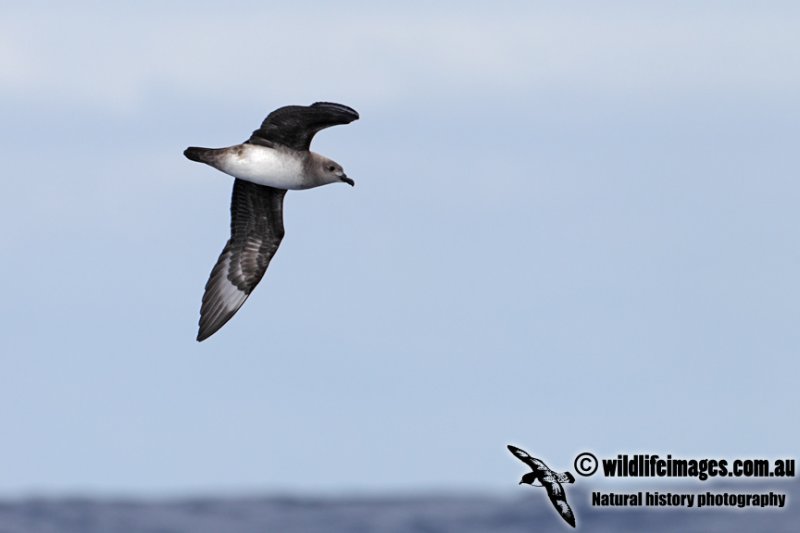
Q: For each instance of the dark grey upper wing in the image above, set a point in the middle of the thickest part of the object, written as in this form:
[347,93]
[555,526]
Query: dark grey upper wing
[559,498]
[256,232]
[295,125]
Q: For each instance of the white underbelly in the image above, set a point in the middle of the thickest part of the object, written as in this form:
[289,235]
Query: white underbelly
[263,165]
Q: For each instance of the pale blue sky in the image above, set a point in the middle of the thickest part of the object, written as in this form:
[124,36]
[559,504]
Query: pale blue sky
[575,226]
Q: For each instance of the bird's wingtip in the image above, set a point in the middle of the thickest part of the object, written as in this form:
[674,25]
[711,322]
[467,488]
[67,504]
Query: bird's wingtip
[204,332]
[339,107]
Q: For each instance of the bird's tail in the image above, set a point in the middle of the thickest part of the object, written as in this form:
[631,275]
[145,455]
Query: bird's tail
[201,155]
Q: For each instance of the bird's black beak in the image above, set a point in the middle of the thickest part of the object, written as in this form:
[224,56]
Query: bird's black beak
[520,483]
[345,179]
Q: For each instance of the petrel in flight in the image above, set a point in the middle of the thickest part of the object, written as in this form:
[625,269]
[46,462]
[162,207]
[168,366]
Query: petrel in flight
[548,479]
[273,160]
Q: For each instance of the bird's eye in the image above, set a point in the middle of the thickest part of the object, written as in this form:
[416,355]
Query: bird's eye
[331,168]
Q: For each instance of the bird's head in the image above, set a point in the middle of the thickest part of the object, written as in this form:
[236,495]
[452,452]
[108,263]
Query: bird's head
[528,479]
[332,172]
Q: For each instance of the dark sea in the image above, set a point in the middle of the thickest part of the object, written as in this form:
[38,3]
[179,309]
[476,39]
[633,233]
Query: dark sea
[528,512]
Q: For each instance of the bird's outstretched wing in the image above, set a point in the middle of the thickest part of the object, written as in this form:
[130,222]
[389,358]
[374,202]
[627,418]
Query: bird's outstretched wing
[295,125]
[536,464]
[559,498]
[256,233]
